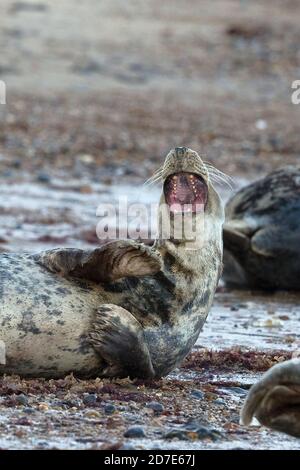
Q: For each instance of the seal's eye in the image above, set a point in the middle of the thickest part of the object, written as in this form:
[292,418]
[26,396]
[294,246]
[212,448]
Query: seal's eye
[185,192]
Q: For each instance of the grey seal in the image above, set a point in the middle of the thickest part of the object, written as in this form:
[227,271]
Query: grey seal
[123,309]
[275,399]
[262,233]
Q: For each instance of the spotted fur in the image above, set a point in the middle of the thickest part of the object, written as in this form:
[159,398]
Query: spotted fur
[262,232]
[124,309]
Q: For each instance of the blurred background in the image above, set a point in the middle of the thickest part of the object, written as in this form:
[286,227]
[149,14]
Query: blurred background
[99,91]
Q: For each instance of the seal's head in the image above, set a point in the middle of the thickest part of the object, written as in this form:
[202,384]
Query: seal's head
[188,189]
[188,182]
[185,181]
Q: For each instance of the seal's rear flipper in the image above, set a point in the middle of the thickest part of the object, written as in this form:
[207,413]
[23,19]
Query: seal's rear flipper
[275,399]
[118,337]
[108,263]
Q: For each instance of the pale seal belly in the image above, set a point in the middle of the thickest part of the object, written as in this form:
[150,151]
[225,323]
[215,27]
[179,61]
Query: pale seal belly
[45,319]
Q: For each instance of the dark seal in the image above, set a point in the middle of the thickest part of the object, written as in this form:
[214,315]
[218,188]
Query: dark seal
[275,399]
[262,233]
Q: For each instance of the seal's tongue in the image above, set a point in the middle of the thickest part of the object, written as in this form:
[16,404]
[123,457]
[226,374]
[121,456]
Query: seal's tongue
[185,192]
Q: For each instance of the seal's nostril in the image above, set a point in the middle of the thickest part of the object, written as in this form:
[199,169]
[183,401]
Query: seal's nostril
[180,151]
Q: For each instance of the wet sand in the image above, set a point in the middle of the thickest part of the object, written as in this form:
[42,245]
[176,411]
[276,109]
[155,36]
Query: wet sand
[198,405]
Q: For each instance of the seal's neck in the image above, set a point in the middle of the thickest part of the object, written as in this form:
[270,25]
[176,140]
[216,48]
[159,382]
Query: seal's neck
[189,260]
[191,246]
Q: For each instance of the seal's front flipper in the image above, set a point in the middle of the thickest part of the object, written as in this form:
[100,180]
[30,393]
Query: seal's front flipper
[273,241]
[118,337]
[108,263]
[236,235]
[275,399]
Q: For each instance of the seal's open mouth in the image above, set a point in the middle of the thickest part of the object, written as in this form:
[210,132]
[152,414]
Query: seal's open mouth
[185,192]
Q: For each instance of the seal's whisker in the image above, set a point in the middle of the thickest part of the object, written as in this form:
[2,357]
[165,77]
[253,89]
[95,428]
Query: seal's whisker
[217,179]
[201,170]
[159,170]
[157,175]
[216,170]
[213,169]
[153,179]
[219,176]
[222,177]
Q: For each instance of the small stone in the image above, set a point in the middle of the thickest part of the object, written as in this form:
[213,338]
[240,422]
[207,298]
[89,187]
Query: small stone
[269,323]
[89,67]
[71,403]
[234,308]
[238,391]
[7,173]
[89,399]
[242,305]
[219,401]
[192,431]
[127,447]
[109,409]
[122,408]
[43,443]
[283,317]
[22,400]
[156,407]
[86,189]
[197,394]
[61,404]
[134,432]
[24,422]
[29,410]
[261,124]
[235,419]
[177,434]
[86,159]
[204,432]
[16,163]
[43,407]
[43,177]
[92,414]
